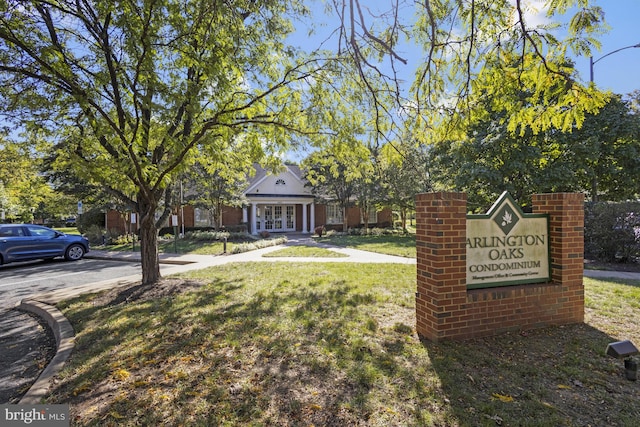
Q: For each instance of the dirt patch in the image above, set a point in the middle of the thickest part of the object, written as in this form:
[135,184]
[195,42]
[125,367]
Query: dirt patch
[164,288]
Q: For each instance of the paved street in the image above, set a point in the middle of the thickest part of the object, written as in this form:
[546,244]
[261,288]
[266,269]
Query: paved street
[26,345]
[17,281]
[25,341]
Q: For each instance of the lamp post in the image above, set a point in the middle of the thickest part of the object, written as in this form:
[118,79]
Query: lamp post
[592,62]
[594,183]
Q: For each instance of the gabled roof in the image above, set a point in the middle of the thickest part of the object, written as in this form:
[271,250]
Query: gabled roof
[261,173]
[264,177]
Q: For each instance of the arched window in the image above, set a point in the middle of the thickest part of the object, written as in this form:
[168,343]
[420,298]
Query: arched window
[280,182]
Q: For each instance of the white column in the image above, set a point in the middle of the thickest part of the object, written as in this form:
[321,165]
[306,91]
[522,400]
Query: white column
[313,217]
[304,218]
[253,219]
[244,214]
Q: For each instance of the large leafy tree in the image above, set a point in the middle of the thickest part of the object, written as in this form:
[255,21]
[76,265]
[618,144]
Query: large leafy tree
[220,175]
[24,193]
[600,158]
[143,82]
[404,172]
[343,172]
[476,46]
[604,154]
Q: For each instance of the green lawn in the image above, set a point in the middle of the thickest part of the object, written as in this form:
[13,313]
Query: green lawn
[400,245]
[67,230]
[333,344]
[304,251]
[180,246]
[200,247]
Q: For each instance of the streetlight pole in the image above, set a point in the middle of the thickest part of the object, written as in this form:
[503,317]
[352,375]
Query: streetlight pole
[594,182]
[592,62]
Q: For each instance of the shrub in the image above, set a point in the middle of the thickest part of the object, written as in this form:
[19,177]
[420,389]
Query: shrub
[362,231]
[320,230]
[376,231]
[207,236]
[612,231]
[95,234]
[90,218]
[240,230]
[124,239]
[258,244]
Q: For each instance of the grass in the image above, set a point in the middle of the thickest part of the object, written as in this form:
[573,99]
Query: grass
[67,230]
[400,245]
[614,305]
[304,251]
[200,247]
[181,246]
[332,344]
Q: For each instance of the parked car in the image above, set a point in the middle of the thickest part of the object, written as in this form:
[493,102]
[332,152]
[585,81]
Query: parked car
[22,242]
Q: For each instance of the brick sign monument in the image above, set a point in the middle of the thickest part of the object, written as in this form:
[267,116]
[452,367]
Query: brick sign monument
[481,275]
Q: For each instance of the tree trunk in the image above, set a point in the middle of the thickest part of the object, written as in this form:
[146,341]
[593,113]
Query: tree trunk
[219,209]
[149,244]
[364,213]
[345,225]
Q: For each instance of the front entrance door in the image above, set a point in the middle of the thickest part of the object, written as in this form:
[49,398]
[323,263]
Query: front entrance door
[278,218]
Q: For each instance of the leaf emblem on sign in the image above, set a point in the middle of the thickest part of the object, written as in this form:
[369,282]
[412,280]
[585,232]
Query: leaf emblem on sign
[506,218]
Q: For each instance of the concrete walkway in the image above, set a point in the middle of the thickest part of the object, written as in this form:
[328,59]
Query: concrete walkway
[42,305]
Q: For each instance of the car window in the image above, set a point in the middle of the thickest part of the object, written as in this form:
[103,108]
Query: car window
[40,231]
[11,232]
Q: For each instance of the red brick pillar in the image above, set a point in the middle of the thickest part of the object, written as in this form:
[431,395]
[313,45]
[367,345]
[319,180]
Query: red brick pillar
[441,295]
[566,240]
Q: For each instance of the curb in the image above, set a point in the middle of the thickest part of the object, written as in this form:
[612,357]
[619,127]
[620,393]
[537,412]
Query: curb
[64,335]
[132,259]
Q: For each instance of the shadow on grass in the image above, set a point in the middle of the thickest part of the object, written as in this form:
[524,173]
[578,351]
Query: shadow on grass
[558,376]
[307,347]
[227,353]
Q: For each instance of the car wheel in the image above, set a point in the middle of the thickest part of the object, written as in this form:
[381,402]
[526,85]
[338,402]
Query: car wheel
[74,253]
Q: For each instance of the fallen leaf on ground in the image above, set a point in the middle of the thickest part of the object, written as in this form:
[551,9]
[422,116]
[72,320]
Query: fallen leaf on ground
[502,397]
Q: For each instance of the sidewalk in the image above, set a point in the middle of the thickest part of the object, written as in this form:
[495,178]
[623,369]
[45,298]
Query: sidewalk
[42,305]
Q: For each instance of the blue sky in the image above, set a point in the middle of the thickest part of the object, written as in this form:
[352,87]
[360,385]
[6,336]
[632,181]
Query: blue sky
[620,71]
